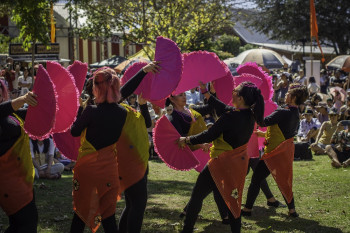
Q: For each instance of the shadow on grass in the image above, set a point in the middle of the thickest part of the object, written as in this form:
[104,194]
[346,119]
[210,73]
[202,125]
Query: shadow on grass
[159,218]
[169,186]
[272,221]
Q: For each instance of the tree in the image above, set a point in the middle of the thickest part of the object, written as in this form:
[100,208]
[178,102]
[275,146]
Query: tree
[289,20]
[31,17]
[190,23]
[228,43]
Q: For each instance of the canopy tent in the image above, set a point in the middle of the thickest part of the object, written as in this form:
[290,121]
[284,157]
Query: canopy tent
[146,52]
[110,62]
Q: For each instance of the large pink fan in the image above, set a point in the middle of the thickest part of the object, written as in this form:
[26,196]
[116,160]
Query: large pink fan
[68,96]
[202,157]
[164,138]
[79,71]
[270,106]
[165,82]
[224,87]
[253,146]
[67,144]
[247,78]
[200,66]
[41,118]
[145,85]
[266,86]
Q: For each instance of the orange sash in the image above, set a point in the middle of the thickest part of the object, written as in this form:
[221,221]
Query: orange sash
[281,167]
[96,186]
[229,170]
[16,176]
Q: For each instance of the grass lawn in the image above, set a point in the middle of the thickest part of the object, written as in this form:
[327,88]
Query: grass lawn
[322,198]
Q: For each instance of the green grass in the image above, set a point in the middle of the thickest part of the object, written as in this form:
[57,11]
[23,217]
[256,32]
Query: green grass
[322,199]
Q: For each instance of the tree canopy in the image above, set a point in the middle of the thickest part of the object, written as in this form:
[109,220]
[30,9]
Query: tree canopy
[289,20]
[190,23]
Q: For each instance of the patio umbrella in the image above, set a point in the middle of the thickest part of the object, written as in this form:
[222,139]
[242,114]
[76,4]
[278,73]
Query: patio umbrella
[263,57]
[110,62]
[340,62]
[121,68]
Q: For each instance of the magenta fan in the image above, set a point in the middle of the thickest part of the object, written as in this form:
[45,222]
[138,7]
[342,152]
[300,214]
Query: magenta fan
[224,87]
[200,66]
[67,144]
[164,138]
[41,118]
[68,96]
[202,157]
[79,71]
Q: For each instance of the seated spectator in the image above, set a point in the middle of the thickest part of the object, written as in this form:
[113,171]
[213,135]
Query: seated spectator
[322,112]
[313,88]
[325,133]
[58,158]
[42,156]
[345,110]
[339,151]
[282,87]
[132,101]
[336,80]
[308,127]
[301,78]
[209,119]
[192,97]
[324,81]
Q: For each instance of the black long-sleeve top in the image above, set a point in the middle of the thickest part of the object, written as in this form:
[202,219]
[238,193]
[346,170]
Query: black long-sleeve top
[236,125]
[10,131]
[287,119]
[182,122]
[105,121]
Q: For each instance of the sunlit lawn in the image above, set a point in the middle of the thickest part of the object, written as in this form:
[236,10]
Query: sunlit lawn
[322,197]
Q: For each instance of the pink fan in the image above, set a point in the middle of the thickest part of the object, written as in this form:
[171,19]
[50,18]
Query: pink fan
[67,144]
[200,66]
[145,85]
[165,82]
[224,87]
[253,69]
[247,78]
[253,146]
[164,138]
[79,71]
[270,107]
[41,118]
[202,157]
[68,96]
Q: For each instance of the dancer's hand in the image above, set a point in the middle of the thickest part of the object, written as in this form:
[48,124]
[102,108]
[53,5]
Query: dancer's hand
[260,133]
[205,147]
[30,98]
[141,100]
[152,67]
[181,142]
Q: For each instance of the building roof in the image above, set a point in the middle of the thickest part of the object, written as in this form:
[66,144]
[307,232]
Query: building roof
[251,36]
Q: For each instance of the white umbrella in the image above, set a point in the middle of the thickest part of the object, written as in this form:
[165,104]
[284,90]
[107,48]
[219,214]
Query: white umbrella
[264,57]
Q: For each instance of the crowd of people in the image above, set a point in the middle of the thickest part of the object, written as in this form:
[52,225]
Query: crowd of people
[309,114]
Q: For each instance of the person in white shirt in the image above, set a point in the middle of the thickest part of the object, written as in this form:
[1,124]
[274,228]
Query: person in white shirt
[301,78]
[42,156]
[25,82]
[313,88]
[192,97]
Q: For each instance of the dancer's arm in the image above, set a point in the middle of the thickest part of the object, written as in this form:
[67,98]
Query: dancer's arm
[8,107]
[144,111]
[131,85]
[82,121]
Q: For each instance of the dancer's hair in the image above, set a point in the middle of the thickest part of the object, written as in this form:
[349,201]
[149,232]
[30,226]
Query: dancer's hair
[107,90]
[253,98]
[5,94]
[299,91]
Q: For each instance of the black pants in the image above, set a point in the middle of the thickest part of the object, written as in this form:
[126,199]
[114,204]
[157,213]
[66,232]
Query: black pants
[25,220]
[260,173]
[109,224]
[135,205]
[203,187]
[253,163]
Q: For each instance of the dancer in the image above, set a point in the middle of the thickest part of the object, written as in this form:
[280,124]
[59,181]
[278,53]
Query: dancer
[97,184]
[227,168]
[16,167]
[279,150]
[190,122]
